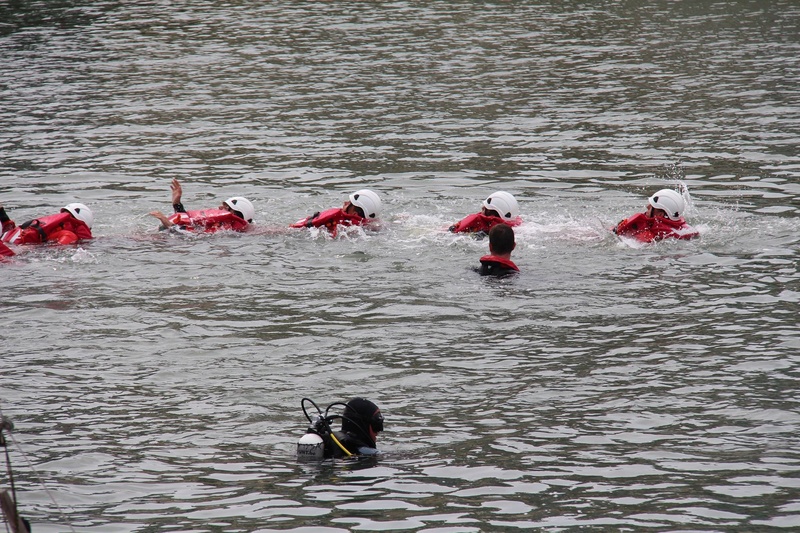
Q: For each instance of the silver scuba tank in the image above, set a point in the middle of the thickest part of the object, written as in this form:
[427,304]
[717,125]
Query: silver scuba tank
[310,447]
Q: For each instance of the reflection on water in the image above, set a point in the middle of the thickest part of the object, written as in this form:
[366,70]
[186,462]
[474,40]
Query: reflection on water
[155,380]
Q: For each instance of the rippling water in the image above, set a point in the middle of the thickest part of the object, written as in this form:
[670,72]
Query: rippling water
[155,381]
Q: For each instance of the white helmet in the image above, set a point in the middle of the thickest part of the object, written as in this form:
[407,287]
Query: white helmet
[504,203]
[668,200]
[242,205]
[368,201]
[81,212]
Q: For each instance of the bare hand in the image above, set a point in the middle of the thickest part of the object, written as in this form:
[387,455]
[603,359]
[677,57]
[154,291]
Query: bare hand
[160,216]
[177,192]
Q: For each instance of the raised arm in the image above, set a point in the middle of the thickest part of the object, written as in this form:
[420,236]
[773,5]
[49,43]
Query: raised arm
[177,192]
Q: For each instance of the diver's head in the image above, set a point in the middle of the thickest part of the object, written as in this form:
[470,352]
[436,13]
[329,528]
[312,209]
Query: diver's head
[363,418]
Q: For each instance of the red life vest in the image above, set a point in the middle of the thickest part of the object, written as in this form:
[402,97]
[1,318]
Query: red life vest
[5,251]
[649,229]
[504,263]
[61,228]
[209,220]
[478,222]
[330,219]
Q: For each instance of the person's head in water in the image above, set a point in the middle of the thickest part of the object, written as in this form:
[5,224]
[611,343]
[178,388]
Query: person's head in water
[501,240]
[501,204]
[239,206]
[665,203]
[363,419]
[364,203]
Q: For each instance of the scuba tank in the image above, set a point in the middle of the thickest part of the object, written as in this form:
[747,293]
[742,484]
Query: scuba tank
[311,446]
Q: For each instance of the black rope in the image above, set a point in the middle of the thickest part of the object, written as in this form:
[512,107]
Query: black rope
[7,425]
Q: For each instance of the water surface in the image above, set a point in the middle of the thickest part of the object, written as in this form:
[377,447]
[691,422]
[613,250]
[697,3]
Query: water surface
[155,380]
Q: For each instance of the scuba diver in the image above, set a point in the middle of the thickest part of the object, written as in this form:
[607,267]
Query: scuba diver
[501,244]
[363,208]
[662,219]
[70,225]
[235,214]
[361,422]
[499,208]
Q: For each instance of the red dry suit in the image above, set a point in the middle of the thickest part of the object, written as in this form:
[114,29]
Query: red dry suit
[60,228]
[331,219]
[649,229]
[7,225]
[491,265]
[208,220]
[480,223]
[5,251]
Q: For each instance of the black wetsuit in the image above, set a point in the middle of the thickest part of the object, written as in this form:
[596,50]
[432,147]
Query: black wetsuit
[353,443]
